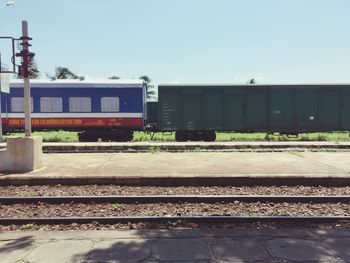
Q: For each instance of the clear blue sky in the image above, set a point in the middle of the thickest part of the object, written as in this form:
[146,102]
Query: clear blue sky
[189,41]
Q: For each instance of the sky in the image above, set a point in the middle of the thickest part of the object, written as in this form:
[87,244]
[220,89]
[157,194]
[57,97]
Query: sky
[188,41]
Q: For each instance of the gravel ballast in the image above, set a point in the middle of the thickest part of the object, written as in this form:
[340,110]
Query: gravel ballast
[104,190]
[177,209]
[168,209]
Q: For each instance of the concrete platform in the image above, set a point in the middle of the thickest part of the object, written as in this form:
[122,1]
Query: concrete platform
[257,146]
[162,168]
[178,245]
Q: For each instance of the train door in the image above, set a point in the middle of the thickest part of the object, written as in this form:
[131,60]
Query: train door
[306,109]
[192,112]
[345,111]
[213,111]
[4,111]
[280,110]
[256,110]
[329,110]
[169,110]
[233,108]
[144,102]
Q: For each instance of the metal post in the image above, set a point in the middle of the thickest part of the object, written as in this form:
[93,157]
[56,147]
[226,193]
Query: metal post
[0,104]
[25,64]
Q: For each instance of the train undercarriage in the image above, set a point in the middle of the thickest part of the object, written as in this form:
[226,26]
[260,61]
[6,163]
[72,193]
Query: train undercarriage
[126,136]
[183,136]
[105,136]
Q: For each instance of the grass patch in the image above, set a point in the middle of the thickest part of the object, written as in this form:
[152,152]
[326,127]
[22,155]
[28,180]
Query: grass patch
[65,136]
[52,136]
[236,136]
[154,149]
[30,226]
[117,207]
[157,136]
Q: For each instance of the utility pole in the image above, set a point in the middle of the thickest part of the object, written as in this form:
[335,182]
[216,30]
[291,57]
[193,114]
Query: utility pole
[24,71]
[0,102]
[23,154]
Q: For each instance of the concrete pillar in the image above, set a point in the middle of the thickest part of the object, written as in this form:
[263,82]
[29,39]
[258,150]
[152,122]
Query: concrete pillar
[22,154]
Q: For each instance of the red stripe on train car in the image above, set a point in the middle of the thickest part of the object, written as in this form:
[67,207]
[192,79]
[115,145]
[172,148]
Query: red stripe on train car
[4,121]
[76,122]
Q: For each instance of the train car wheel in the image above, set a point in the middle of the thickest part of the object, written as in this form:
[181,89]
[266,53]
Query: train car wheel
[127,136]
[195,136]
[209,136]
[87,137]
[122,136]
[181,136]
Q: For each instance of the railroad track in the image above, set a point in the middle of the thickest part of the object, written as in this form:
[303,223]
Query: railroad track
[183,199]
[174,219]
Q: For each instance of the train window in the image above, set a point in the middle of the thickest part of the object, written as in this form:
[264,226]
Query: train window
[51,104]
[80,104]
[110,104]
[17,104]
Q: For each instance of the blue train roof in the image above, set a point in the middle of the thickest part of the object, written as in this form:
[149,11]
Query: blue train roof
[72,83]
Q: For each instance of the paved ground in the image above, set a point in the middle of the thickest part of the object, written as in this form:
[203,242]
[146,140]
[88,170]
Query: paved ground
[199,164]
[197,245]
[183,245]
[257,146]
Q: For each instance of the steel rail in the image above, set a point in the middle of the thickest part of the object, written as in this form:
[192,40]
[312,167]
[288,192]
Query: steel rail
[174,219]
[175,199]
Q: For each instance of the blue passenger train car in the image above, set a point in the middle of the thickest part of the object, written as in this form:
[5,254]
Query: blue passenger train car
[108,109]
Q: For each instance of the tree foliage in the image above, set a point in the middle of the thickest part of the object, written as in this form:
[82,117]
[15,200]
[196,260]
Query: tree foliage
[252,81]
[146,79]
[33,69]
[64,73]
[151,90]
[114,77]
[34,72]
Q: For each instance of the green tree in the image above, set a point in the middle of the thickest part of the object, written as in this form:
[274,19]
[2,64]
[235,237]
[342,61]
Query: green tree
[252,81]
[146,79]
[64,73]
[114,77]
[151,90]
[34,72]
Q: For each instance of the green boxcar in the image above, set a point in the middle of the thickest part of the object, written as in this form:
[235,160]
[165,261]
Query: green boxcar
[197,111]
